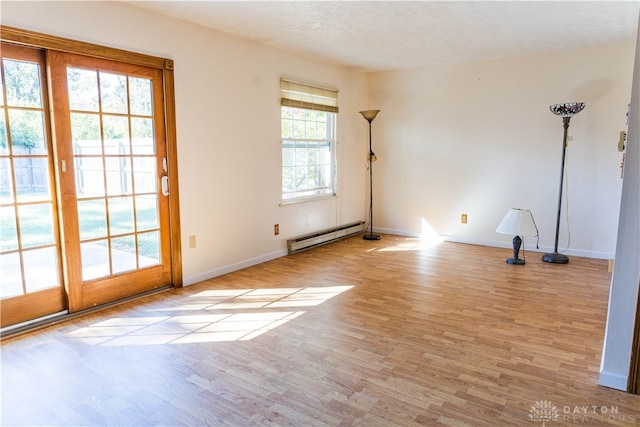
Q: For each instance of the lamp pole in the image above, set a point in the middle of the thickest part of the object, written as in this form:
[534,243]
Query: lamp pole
[565,124]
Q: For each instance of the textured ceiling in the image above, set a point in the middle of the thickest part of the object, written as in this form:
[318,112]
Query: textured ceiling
[390,35]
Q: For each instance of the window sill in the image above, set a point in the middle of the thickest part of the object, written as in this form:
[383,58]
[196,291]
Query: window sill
[307,199]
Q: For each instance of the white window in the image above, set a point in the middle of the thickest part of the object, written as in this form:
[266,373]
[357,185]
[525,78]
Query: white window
[308,136]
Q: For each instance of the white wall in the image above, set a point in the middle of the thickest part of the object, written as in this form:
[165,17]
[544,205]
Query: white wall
[228,128]
[478,138]
[623,297]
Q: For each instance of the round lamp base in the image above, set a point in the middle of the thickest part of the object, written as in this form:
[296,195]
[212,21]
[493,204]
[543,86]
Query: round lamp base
[555,258]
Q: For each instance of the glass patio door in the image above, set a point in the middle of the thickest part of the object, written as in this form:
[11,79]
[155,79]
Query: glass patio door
[84,207]
[111,158]
[30,264]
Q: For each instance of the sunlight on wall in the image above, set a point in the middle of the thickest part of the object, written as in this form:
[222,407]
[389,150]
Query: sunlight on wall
[429,237]
[210,316]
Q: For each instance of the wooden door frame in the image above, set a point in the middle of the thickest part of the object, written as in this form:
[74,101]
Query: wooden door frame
[633,383]
[48,42]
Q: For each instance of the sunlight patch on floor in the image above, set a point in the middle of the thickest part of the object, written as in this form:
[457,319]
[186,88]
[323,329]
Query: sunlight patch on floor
[217,315]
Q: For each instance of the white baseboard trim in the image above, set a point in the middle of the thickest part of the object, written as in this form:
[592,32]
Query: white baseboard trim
[530,246]
[613,380]
[190,280]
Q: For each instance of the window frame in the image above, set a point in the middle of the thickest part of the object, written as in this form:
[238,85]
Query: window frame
[319,191]
[302,97]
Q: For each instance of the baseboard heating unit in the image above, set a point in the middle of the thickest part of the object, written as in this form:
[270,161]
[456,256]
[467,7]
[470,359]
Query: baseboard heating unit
[322,237]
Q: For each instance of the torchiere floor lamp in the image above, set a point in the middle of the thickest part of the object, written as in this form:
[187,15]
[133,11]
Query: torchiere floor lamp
[566,111]
[369,115]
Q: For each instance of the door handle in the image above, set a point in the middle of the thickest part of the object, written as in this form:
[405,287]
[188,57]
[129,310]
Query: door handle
[165,185]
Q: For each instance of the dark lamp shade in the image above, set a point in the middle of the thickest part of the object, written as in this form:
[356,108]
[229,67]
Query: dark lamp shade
[567,110]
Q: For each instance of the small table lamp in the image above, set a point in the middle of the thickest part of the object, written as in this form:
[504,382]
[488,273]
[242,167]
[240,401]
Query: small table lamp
[519,222]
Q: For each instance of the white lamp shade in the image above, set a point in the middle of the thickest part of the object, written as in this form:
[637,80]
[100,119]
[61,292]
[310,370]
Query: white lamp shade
[518,222]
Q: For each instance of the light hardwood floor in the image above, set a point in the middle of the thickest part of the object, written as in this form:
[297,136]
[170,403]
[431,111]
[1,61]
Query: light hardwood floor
[353,333]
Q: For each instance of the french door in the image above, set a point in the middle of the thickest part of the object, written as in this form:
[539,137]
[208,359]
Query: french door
[84,182]
[31,282]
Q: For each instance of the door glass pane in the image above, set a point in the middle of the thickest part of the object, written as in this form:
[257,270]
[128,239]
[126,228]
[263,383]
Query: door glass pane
[23,83]
[85,134]
[4,144]
[92,219]
[40,268]
[95,259]
[146,212]
[89,176]
[8,230]
[119,175]
[113,89]
[142,136]
[83,89]
[27,132]
[36,225]
[144,172]
[123,254]
[120,215]
[141,96]
[116,135]
[149,249]
[6,181]
[32,178]
[11,283]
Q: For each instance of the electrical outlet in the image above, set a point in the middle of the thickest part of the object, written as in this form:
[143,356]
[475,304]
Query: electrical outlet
[276,229]
[463,218]
[192,241]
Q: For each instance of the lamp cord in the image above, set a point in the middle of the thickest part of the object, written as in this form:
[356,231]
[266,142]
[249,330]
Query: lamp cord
[524,252]
[537,232]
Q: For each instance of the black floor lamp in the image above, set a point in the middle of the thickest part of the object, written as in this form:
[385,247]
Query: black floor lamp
[566,111]
[369,115]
